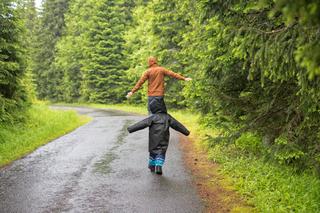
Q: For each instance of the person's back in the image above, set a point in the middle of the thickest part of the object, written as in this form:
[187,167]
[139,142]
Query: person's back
[155,76]
[159,134]
[156,81]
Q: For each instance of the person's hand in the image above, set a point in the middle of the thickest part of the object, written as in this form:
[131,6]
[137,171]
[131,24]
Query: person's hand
[188,79]
[129,94]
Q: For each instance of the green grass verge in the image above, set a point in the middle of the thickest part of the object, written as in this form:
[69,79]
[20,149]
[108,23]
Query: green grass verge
[41,126]
[269,187]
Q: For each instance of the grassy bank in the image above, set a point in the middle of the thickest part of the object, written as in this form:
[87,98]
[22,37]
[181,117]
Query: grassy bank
[41,125]
[269,187]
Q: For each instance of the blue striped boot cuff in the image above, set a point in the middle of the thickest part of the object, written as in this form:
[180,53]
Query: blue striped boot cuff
[152,161]
[159,161]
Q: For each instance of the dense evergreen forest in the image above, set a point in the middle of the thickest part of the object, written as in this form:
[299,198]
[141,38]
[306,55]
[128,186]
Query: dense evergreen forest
[255,64]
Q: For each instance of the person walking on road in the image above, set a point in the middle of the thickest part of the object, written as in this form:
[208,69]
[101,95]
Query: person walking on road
[155,76]
[158,122]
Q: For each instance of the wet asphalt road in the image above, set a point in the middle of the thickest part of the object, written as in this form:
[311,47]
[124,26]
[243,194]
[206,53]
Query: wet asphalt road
[98,168]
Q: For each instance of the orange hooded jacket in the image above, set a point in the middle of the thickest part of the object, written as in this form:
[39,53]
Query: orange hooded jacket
[155,76]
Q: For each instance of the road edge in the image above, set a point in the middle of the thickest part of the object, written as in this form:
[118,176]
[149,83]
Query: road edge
[215,190]
[83,121]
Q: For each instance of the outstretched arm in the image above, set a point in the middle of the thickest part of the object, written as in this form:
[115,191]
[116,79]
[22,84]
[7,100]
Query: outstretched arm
[138,85]
[175,75]
[176,125]
[140,125]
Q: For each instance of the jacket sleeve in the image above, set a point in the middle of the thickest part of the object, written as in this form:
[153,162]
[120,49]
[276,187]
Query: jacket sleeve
[176,125]
[142,79]
[173,74]
[140,125]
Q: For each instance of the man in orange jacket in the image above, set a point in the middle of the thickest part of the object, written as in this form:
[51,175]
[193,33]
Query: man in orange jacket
[155,76]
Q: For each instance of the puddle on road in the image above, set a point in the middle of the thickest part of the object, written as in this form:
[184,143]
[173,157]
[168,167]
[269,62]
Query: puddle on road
[103,166]
[123,132]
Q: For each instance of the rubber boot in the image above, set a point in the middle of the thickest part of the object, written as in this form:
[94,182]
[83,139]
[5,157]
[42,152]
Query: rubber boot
[158,170]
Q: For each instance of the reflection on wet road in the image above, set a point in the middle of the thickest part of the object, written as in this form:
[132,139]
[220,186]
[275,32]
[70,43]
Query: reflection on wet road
[98,168]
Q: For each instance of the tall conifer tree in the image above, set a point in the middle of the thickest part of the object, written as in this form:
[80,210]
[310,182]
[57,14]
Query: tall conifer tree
[104,64]
[28,13]
[70,49]
[48,77]
[12,66]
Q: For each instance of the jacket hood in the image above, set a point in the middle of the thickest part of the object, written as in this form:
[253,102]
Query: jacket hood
[158,106]
[152,61]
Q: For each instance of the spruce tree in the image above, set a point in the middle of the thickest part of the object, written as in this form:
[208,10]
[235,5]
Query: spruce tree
[47,77]
[12,66]
[70,49]
[104,64]
[28,13]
